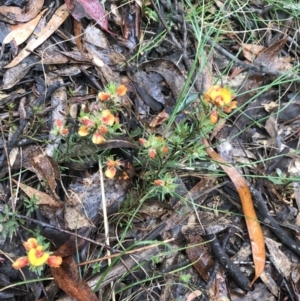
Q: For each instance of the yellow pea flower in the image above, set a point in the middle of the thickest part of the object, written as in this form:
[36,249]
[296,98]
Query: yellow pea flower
[37,256]
[83,131]
[107,117]
[98,137]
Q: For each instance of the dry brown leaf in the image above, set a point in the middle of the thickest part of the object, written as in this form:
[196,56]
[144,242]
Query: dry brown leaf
[74,215]
[57,19]
[251,51]
[268,58]
[159,119]
[44,199]
[91,9]
[46,169]
[23,32]
[199,253]
[33,7]
[13,75]
[270,106]
[279,259]
[253,226]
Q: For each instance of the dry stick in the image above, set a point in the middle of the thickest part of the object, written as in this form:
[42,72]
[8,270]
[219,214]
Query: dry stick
[106,225]
[214,270]
[240,279]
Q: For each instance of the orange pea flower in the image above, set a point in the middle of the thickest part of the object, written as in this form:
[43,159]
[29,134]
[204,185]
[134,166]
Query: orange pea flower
[36,256]
[104,96]
[121,90]
[59,122]
[98,137]
[165,149]
[31,243]
[142,141]
[59,128]
[228,109]
[110,172]
[107,117]
[83,131]
[213,117]
[103,129]
[219,96]
[86,121]
[64,131]
[54,261]
[152,153]
[20,263]
[159,182]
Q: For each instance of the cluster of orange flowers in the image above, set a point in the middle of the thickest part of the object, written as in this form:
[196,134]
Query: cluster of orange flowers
[97,123]
[36,256]
[154,145]
[112,92]
[59,129]
[221,98]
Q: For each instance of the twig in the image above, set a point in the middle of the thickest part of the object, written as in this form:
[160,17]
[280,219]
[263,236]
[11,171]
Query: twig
[106,224]
[240,279]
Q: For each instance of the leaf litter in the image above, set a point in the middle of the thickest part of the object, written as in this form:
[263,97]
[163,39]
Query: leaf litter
[159,86]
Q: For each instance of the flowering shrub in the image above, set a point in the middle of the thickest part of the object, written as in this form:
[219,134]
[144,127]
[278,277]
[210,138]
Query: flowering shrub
[154,145]
[36,257]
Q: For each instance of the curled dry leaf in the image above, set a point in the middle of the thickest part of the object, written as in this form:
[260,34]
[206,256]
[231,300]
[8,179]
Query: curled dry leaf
[57,19]
[159,119]
[251,51]
[23,32]
[68,280]
[18,14]
[269,57]
[254,228]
